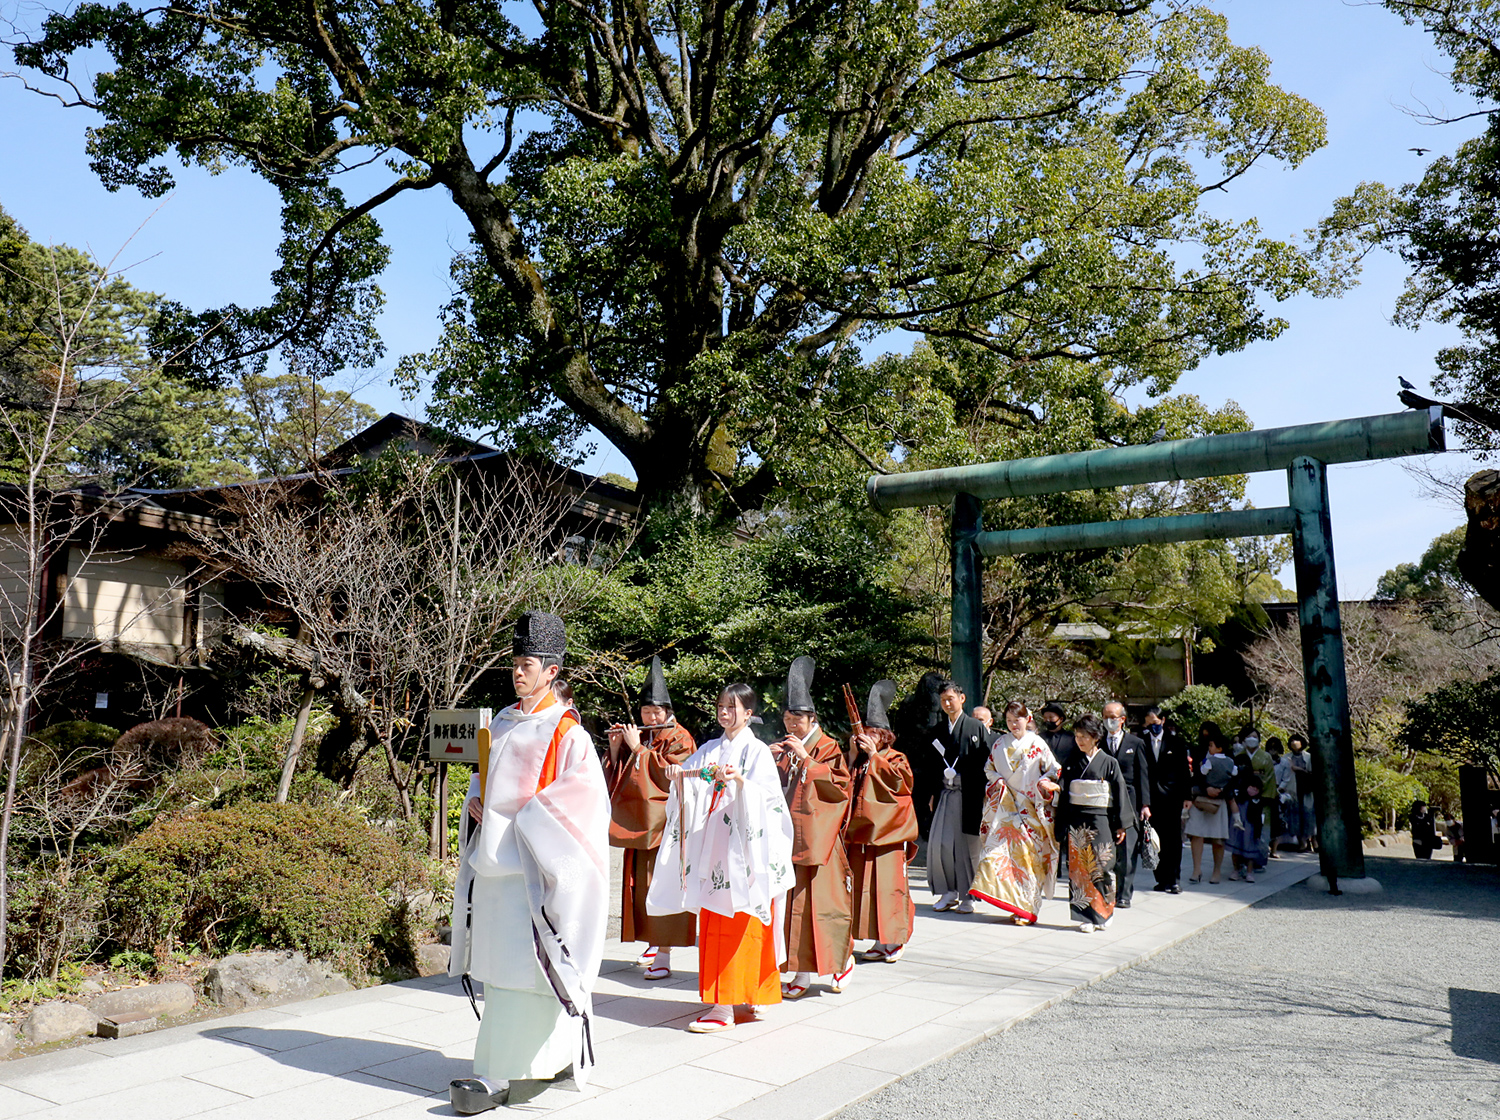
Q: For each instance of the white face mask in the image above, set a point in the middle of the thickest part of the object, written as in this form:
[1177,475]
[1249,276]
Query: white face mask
[1113,725]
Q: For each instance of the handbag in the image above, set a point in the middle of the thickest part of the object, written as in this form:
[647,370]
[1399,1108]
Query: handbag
[1150,847]
[1209,805]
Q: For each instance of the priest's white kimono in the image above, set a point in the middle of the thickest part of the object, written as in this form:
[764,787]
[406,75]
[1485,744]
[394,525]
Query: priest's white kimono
[737,858]
[532,898]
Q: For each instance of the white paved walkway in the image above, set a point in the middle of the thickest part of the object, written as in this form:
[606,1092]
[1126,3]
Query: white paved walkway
[391,1051]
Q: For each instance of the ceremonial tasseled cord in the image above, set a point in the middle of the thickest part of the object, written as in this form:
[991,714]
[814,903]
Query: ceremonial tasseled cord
[715,775]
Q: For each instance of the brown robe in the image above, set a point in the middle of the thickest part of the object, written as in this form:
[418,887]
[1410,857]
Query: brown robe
[818,930]
[882,823]
[638,792]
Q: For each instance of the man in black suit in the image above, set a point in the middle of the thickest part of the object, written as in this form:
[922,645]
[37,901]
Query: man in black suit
[1171,773]
[1130,753]
[1050,726]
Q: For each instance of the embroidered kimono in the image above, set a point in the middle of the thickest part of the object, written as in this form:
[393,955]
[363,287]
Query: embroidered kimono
[882,823]
[1093,806]
[726,854]
[1019,868]
[819,937]
[638,806]
[531,902]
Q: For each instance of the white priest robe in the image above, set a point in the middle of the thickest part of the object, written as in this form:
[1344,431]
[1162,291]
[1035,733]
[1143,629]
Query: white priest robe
[532,898]
[736,859]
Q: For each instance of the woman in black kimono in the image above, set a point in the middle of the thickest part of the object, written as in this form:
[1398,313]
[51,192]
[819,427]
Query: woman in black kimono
[1092,810]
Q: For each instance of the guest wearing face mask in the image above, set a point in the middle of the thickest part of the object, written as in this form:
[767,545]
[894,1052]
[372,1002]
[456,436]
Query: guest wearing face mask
[1058,738]
[1300,762]
[1130,753]
[1171,783]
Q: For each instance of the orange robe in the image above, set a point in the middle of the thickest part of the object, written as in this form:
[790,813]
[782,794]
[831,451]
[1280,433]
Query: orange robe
[737,960]
[819,937]
[638,813]
[882,822]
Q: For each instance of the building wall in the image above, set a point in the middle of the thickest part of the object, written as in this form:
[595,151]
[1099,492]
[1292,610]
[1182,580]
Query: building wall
[125,597]
[13,564]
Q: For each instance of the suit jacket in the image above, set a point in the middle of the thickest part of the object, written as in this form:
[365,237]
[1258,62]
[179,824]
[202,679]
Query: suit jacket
[1061,743]
[1135,769]
[1171,773]
[967,748]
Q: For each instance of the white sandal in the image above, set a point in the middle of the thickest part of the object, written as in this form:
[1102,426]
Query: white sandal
[707,1024]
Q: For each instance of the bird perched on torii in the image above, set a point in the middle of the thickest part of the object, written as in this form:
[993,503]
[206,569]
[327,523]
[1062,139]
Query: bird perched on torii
[1461,410]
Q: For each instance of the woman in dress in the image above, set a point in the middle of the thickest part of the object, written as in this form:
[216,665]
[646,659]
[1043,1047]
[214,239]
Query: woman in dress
[1093,807]
[1019,868]
[881,832]
[1245,825]
[726,855]
[1210,809]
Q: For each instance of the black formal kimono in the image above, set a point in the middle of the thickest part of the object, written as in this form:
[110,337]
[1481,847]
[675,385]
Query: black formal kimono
[953,843]
[1135,769]
[1090,829]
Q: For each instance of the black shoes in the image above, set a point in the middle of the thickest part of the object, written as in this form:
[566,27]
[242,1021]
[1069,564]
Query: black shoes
[471,1095]
[1174,889]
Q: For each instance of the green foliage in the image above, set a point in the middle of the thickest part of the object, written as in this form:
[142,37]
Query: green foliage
[145,424]
[1433,578]
[1020,183]
[75,735]
[284,422]
[133,962]
[1385,795]
[259,744]
[273,876]
[720,609]
[1443,225]
[458,793]
[1199,703]
[1457,721]
[24,992]
[1440,776]
[53,917]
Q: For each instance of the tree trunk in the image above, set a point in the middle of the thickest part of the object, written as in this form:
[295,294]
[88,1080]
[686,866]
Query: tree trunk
[294,749]
[1479,560]
[439,824]
[17,735]
[393,767]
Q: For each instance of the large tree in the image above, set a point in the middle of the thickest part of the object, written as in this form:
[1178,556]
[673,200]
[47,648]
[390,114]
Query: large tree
[1443,225]
[687,217]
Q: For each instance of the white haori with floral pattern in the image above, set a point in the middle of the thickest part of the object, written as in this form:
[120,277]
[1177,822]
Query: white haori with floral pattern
[737,858]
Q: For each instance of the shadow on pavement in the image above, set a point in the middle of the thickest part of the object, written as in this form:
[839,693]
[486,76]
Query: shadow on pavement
[1454,890]
[1476,1024]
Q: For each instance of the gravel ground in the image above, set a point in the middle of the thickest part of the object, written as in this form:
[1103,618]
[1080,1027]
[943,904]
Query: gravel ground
[1304,1005]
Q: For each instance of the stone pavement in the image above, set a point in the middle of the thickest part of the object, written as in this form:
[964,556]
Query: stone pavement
[391,1051]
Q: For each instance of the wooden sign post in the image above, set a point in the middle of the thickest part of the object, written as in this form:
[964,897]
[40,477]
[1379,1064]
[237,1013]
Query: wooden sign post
[457,735]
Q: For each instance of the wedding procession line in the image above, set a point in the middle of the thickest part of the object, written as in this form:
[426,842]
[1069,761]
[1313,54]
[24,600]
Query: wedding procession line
[392,1051]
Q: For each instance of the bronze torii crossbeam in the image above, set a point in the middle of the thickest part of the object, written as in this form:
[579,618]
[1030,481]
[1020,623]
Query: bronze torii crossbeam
[1303,451]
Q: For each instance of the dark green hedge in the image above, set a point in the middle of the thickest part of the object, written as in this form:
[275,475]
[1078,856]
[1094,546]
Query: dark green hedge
[302,877]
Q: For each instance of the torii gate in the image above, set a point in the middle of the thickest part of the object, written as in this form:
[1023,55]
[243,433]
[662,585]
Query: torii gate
[1303,451]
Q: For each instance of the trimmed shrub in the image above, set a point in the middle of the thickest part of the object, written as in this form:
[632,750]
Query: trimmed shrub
[301,877]
[75,734]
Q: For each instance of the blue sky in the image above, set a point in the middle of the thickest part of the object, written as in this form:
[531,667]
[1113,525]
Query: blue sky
[213,242]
